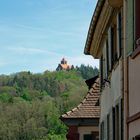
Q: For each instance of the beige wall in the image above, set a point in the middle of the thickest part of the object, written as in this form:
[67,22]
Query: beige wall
[111,93]
[116,82]
[134,85]
[87,130]
[106,102]
[134,95]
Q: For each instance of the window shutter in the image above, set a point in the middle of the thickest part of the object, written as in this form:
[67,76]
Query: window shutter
[112,46]
[102,137]
[117,123]
[121,119]
[111,126]
[137,21]
[104,63]
[101,72]
[108,127]
[105,68]
[113,123]
[119,34]
[109,50]
[105,129]
[107,59]
[130,27]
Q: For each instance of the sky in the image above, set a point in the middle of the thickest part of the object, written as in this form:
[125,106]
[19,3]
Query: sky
[36,34]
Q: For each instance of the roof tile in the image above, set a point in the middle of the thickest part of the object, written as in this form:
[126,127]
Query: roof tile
[88,107]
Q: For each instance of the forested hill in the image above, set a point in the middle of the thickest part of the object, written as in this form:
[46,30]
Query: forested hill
[31,104]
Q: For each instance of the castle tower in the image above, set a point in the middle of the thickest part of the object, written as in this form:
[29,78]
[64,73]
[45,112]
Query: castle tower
[63,61]
[64,65]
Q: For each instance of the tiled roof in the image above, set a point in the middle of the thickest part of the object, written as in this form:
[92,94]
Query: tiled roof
[88,108]
[65,66]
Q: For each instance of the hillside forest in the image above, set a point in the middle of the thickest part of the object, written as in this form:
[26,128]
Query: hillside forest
[31,104]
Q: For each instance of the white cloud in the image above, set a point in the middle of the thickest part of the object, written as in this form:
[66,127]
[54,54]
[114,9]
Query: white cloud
[25,50]
[31,50]
[83,59]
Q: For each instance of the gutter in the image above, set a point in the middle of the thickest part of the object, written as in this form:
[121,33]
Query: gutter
[126,82]
[92,26]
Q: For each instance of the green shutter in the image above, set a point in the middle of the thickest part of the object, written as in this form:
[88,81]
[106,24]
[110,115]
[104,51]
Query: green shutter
[130,27]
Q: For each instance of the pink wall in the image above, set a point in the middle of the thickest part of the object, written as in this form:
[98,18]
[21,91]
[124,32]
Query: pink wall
[134,128]
[134,95]
[73,133]
[134,85]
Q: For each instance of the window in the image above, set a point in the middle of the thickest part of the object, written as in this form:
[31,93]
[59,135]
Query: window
[113,123]
[133,28]
[104,65]
[136,28]
[110,54]
[111,51]
[95,135]
[92,136]
[107,59]
[137,137]
[130,27]
[112,127]
[137,22]
[88,137]
[113,44]
[102,131]
[114,41]
[119,34]
[117,124]
[121,118]
[108,127]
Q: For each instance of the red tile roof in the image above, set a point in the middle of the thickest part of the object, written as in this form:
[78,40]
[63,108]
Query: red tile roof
[65,66]
[88,108]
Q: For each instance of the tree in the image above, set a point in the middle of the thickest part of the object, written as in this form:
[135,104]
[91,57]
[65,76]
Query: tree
[87,72]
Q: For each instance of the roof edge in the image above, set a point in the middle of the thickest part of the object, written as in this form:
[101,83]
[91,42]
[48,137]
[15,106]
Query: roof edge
[92,26]
[90,81]
[68,114]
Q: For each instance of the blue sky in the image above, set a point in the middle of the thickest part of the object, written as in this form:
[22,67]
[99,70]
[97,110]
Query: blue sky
[36,34]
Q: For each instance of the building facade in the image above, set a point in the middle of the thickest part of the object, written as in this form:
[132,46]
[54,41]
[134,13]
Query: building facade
[132,67]
[114,39]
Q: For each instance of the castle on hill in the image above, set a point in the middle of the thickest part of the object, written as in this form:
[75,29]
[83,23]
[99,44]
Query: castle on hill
[64,65]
